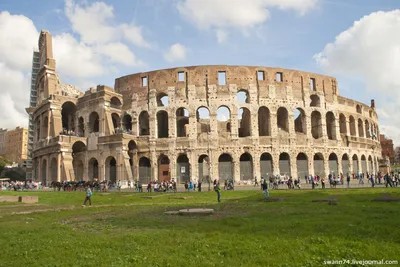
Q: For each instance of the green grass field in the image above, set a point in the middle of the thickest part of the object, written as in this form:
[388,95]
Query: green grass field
[124,229]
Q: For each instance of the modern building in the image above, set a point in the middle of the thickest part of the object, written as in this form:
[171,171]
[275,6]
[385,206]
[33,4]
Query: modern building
[199,122]
[3,142]
[17,145]
[387,148]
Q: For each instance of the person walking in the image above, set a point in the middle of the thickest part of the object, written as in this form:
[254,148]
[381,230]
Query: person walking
[88,197]
[265,189]
[348,180]
[218,190]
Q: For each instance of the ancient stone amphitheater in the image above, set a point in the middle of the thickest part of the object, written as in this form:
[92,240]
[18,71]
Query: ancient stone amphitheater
[200,122]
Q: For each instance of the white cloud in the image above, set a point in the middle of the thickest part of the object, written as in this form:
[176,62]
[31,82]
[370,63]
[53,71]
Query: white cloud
[222,36]
[177,52]
[370,49]
[236,14]
[120,53]
[134,35]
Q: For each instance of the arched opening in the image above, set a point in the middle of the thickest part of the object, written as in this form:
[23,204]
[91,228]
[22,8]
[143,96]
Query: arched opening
[352,126]
[163,168]
[162,100]
[81,127]
[182,122]
[282,119]
[333,164]
[144,170]
[331,126]
[319,168]
[370,166]
[115,102]
[225,167]
[266,166]
[345,164]
[132,152]
[224,121]
[203,120]
[43,171]
[116,121]
[127,122]
[45,131]
[111,169]
[342,124]
[302,165]
[93,169]
[78,147]
[246,167]
[356,170]
[242,97]
[360,128]
[54,169]
[284,164]
[162,124]
[300,125]
[358,109]
[363,164]
[204,168]
[144,125]
[367,130]
[314,101]
[316,124]
[264,122]
[94,122]
[68,113]
[244,118]
[183,169]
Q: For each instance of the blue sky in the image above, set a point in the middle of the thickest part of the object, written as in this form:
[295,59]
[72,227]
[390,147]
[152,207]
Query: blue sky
[277,33]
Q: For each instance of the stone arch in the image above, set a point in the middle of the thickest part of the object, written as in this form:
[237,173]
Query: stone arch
[345,164]
[363,164]
[315,101]
[144,170]
[370,164]
[93,169]
[144,125]
[68,113]
[302,165]
[331,125]
[115,121]
[356,170]
[284,164]
[127,122]
[264,121]
[300,123]
[94,122]
[162,124]
[111,169]
[183,168]
[316,124]
[367,129]
[203,120]
[182,122]
[223,120]
[360,128]
[246,166]
[163,168]
[266,165]
[352,126]
[115,102]
[43,171]
[358,109]
[342,124]
[204,168]
[333,164]
[242,97]
[78,147]
[54,169]
[244,117]
[81,126]
[282,119]
[319,167]
[225,167]
[162,100]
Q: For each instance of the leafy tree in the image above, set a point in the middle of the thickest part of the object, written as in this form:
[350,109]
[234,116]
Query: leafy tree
[4,162]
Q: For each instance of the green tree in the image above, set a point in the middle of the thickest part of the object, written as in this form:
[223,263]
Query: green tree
[4,162]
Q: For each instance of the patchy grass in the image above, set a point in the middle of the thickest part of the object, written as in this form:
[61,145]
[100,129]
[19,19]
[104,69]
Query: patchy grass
[124,229]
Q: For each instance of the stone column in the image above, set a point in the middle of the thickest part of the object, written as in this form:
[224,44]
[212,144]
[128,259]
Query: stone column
[256,166]
[326,166]
[340,167]
[172,167]
[236,168]
[293,166]
[310,165]
[194,166]
[275,164]
[234,123]
[58,167]
[273,122]
[154,166]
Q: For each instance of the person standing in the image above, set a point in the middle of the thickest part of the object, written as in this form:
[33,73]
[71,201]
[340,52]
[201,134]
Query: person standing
[348,180]
[218,190]
[88,197]
[265,189]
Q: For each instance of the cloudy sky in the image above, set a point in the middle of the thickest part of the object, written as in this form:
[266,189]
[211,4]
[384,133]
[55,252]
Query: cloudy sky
[357,41]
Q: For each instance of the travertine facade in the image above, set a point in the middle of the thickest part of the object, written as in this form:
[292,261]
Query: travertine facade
[14,144]
[169,124]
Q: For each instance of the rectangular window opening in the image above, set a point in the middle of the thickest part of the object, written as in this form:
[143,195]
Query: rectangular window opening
[260,75]
[144,81]
[181,76]
[312,84]
[221,78]
[279,77]
[165,173]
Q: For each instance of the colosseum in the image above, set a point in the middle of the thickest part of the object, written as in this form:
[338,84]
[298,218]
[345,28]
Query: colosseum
[199,122]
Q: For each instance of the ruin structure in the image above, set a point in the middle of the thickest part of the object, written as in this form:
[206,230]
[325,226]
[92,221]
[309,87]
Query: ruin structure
[200,122]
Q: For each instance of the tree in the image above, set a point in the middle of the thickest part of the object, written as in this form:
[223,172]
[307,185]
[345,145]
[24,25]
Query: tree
[4,162]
